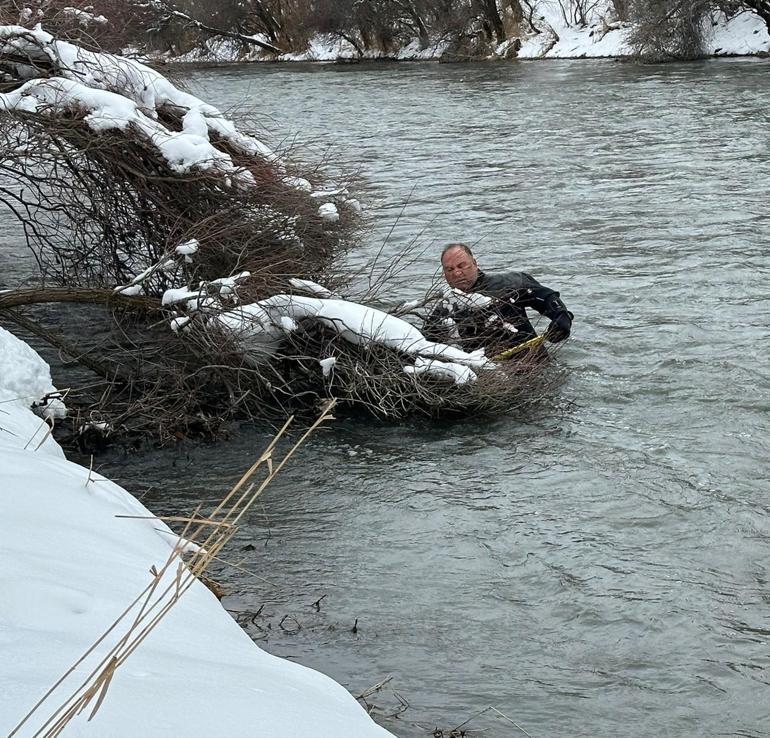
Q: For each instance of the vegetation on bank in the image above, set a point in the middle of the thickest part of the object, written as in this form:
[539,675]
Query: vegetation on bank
[465,29]
[215,257]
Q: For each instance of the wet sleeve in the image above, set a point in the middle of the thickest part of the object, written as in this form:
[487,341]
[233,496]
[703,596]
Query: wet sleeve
[546,301]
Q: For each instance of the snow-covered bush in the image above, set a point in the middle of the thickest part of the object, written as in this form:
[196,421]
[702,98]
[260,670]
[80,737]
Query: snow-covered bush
[118,166]
[110,167]
[141,196]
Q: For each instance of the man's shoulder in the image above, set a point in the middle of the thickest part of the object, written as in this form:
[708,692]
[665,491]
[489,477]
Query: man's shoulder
[502,282]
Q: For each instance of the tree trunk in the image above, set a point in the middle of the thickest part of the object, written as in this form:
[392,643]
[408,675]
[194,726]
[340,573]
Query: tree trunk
[422,31]
[515,10]
[172,12]
[492,16]
[621,9]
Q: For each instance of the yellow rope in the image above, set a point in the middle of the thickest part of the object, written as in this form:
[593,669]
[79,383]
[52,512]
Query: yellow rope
[503,355]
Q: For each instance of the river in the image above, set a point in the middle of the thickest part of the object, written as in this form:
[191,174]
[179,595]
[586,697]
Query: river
[600,567]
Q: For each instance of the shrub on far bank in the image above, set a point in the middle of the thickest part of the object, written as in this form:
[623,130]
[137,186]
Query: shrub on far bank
[665,31]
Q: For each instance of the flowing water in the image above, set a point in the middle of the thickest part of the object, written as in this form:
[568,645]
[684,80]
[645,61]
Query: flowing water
[600,567]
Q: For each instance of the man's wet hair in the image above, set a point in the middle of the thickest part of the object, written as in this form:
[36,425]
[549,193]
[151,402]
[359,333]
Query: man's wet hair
[451,246]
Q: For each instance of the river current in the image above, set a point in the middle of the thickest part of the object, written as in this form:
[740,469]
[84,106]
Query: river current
[599,567]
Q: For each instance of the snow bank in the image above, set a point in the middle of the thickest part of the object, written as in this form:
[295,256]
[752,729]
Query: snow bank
[745,34]
[70,567]
[324,47]
[24,380]
[603,36]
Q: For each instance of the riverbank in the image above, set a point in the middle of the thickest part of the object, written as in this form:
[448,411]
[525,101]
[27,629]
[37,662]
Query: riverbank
[745,34]
[601,565]
[77,550]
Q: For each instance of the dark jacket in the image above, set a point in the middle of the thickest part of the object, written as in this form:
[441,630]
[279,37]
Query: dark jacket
[503,323]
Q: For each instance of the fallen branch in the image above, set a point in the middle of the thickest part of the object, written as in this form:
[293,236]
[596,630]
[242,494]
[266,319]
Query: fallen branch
[108,370]
[190,21]
[85,295]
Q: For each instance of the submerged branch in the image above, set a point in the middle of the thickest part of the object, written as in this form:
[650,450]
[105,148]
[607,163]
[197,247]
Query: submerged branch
[112,372]
[93,296]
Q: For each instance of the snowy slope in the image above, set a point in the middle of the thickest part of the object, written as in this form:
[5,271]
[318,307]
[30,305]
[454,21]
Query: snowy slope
[69,567]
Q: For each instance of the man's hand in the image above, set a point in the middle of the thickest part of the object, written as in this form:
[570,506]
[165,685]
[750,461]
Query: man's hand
[559,328]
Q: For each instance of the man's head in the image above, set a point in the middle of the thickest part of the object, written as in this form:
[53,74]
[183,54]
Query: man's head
[460,268]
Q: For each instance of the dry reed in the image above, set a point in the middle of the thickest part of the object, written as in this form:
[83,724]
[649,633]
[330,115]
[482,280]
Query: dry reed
[208,534]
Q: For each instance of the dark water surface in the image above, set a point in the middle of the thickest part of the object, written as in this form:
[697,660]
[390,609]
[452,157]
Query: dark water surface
[597,569]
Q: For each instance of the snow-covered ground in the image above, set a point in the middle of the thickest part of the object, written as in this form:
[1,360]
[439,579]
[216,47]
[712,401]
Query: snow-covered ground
[603,36]
[69,567]
[744,34]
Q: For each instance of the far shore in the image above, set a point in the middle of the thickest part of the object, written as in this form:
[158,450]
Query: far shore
[742,36]
[182,62]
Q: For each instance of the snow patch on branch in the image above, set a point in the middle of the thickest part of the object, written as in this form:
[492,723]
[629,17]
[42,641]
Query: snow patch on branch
[104,111]
[84,18]
[329,213]
[116,93]
[327,365]
[458,373]
[313,288]
[263,325]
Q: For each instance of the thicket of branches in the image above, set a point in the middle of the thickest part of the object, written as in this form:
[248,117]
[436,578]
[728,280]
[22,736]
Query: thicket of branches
[97,208]
[103,208]
[663,30]
[103,24]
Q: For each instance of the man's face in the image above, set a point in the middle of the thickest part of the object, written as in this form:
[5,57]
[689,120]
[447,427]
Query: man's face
[460,270]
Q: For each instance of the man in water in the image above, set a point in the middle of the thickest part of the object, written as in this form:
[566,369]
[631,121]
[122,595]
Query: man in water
[489,310]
